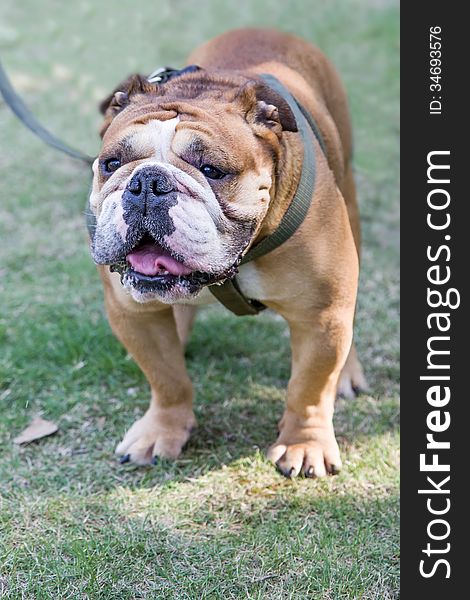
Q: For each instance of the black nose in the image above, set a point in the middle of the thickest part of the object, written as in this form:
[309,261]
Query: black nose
[149,183]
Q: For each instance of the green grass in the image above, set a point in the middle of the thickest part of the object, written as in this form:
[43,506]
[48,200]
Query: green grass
[219,522]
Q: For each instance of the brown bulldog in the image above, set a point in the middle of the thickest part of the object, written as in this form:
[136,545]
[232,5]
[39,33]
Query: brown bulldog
[194,171]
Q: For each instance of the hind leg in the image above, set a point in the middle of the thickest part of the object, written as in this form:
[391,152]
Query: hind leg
[348,189]
[352,380]
[184,317]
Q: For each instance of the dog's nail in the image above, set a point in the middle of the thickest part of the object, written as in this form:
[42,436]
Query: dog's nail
[310,472]
[155,460]
[334,469]
[291,473]
[125,458]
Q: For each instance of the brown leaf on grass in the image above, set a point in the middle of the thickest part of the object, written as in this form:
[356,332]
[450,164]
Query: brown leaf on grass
[37,429]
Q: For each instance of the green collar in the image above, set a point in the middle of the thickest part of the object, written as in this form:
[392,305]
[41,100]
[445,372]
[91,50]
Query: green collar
[229,292]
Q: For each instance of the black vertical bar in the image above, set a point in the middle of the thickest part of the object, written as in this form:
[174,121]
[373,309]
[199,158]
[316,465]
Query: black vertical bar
[434,119]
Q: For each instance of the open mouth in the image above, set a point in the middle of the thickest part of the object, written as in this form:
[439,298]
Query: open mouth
[150,267]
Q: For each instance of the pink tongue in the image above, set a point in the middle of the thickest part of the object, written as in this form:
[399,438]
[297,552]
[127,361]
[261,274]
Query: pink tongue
[152,259]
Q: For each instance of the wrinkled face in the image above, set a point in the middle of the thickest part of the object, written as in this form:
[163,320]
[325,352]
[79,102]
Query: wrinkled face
[178,194]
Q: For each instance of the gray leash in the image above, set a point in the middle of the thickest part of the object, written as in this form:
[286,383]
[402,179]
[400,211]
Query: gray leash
[27,118]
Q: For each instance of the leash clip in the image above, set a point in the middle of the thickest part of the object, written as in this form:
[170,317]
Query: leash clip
[160,75]
[163,74]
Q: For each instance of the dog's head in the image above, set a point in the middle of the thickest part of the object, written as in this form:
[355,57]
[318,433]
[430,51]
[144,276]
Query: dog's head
[184,179]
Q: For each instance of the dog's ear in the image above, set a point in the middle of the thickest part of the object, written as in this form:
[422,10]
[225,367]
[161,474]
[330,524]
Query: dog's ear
[121,96]
[266,107]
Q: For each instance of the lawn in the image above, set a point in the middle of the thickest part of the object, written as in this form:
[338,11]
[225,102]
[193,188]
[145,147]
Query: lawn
[220,522]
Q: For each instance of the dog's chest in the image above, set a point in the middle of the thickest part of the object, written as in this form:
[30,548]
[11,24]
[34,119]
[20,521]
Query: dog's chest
[250,282]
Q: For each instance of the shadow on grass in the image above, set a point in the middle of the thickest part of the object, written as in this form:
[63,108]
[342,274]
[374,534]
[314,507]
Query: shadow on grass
[240,368]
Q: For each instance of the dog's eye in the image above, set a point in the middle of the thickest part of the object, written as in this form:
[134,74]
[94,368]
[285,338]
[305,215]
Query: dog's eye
[110,165]
[212,172]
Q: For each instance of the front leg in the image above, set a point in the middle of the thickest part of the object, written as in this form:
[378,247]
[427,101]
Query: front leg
[151,337]
[306,442]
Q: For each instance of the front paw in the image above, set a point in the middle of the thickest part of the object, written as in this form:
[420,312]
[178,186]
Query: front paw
[159,433]
[303,448]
